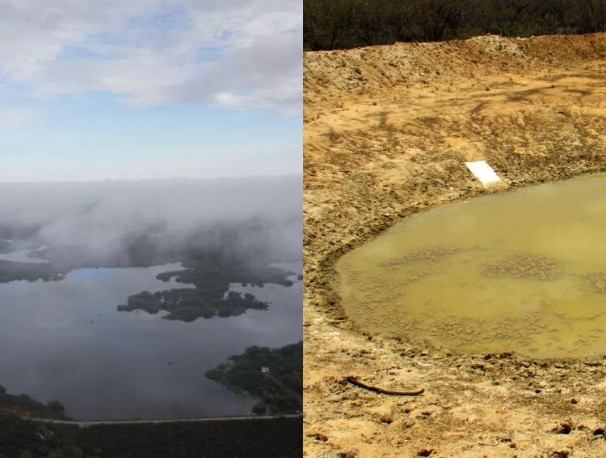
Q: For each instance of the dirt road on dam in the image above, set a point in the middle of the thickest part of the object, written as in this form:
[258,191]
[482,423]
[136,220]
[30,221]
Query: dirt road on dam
[84,424]
[386,133]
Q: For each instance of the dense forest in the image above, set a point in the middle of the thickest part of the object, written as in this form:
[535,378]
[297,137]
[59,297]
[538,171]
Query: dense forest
[343,24]
[211,273]
[279,437]
[25,406]
[22,437]
[274,376]
[13,271]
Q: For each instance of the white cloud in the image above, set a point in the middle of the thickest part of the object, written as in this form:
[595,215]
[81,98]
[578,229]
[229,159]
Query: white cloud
[17,117]
[237,53]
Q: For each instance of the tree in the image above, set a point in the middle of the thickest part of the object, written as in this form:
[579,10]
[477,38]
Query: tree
[259,409]
[56,407]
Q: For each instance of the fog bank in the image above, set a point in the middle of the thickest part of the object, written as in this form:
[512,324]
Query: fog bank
[105,221]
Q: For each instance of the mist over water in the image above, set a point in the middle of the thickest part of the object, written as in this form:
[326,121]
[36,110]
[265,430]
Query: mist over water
[99,221]
[66,340]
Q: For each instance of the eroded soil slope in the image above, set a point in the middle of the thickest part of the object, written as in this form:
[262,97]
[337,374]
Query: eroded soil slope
[387,131]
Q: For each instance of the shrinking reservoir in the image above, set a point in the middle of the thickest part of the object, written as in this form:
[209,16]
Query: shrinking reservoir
[521,271]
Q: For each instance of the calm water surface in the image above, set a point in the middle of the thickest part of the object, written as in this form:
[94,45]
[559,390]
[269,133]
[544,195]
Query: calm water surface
[65,340]
[522,271]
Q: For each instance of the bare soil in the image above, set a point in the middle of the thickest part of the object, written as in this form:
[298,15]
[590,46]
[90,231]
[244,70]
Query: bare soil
[386,133]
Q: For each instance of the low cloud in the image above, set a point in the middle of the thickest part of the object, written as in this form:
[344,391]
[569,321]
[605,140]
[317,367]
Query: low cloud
[100,220]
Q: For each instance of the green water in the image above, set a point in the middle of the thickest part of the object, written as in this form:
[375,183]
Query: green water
[522,271]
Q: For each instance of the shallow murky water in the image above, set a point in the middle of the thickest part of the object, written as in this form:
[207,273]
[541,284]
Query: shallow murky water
[523,271]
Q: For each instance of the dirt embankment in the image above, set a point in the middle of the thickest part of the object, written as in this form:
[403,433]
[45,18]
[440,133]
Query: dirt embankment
[386,133]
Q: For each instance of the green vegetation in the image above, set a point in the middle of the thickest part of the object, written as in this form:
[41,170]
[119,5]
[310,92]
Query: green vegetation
[342,24]
[214,270]
[24,405]
[211,274]
[23,438]
[190,304]
[12,271]
[280,437]
[274,376]
[26,439]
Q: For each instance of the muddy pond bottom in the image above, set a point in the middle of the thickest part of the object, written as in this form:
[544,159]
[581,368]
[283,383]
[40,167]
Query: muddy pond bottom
[523,272]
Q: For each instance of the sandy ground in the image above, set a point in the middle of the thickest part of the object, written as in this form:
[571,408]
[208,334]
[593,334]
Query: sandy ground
[386,132]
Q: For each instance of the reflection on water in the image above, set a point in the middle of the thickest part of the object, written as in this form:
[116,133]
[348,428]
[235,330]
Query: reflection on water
[65,340]
[523,271]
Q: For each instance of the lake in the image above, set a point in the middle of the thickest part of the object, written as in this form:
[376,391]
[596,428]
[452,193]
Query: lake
[65,340]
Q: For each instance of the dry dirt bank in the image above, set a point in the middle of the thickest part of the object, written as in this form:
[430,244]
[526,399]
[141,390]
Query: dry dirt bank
[386,132]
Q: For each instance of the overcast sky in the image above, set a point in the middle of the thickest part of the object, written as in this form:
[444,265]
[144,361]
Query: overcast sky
[138,89]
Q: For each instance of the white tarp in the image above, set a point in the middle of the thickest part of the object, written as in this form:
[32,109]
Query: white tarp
[483,172]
